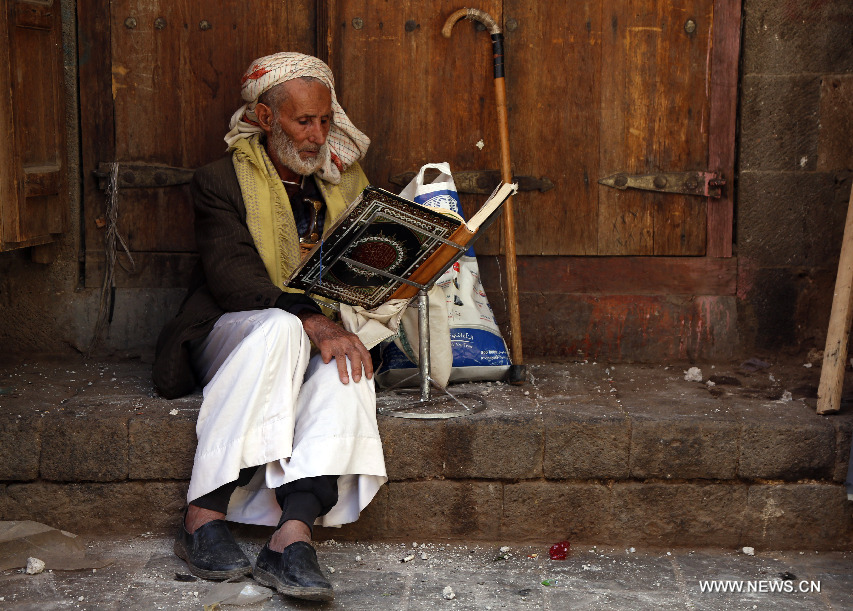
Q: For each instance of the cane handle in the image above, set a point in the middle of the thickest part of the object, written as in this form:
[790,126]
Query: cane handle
[471,13]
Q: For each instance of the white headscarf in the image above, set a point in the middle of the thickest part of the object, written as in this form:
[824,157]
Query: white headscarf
[346,144]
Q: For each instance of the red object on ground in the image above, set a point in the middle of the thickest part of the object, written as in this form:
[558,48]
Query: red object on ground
[559,551]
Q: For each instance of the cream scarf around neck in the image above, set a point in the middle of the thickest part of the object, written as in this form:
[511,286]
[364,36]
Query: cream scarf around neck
[268,212]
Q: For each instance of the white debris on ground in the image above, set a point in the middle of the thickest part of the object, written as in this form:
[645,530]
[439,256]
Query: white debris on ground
[448,594]
[787,397]
[749,551]
[694,374]
[34,566]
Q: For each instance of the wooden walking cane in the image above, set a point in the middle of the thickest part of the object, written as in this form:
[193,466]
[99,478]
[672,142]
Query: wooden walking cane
[835,353]
[517,372]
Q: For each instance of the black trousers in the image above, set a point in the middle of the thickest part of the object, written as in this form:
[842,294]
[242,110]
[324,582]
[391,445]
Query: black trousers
[304,499]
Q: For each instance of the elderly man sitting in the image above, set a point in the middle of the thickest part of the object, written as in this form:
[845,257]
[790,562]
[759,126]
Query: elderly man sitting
[284,439]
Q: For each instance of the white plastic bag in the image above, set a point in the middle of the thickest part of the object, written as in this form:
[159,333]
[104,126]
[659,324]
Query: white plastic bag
[479,351]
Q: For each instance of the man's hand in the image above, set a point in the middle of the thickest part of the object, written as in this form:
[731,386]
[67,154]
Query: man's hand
[336,342]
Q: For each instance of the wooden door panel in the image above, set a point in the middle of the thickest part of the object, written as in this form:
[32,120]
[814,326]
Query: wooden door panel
[419,96]
[595,87]
[176,67]
[33,200]
[654,117]
[157,220]
[176,78]
[553,60]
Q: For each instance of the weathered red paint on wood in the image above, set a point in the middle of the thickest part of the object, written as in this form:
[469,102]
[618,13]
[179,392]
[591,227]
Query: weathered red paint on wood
[721,147]
[637,328]
[616,275]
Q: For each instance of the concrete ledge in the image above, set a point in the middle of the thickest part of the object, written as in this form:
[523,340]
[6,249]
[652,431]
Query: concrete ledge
[592,453]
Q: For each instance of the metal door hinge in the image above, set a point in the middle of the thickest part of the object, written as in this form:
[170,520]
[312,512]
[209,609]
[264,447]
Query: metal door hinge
[705,184]
[143,175]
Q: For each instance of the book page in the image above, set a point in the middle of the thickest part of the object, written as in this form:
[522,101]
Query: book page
[499,195]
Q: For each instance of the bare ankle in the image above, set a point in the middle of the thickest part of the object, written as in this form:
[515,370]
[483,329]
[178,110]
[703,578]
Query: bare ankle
[289,532]
[198,517]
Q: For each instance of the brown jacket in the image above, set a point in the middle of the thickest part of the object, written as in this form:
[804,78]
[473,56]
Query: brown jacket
[229,277]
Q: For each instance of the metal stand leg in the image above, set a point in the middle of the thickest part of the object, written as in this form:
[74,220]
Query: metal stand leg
[427,406]
[423,334]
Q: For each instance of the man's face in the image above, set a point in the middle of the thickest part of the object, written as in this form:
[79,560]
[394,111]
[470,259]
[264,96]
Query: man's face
[300,125]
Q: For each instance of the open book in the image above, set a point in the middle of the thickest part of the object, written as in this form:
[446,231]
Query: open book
[381,238]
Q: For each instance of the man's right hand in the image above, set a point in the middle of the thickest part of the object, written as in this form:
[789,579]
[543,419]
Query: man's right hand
[335,342]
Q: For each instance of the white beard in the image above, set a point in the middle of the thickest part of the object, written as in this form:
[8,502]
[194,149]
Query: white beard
[288,154]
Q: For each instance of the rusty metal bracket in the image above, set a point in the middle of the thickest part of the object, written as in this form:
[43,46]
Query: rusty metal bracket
[482,181]
[704,184]
[140,175]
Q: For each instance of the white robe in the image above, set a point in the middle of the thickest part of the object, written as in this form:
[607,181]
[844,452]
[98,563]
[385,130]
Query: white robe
[267,402]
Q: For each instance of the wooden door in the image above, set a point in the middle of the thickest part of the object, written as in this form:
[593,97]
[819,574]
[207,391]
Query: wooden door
[33,173]
[595,87]
[160,80]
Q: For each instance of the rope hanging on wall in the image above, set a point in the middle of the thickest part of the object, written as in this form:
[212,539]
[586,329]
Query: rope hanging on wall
[112,235]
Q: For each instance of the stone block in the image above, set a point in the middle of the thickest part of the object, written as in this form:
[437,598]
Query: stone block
[835,140]
[797,516]
[372,524]
[494,446]
[684,449]
[779,123]
[161,448]
[413,448]
[791,219]
[797,36]
[677,514]
[444,509]
[843,437]
[84,449]
[20,446]
[588,448]
[92,508]
[552,511]
[787,450]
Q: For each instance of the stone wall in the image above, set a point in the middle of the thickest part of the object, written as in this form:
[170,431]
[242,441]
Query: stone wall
[795,163]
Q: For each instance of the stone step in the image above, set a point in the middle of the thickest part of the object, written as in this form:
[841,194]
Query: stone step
[593,453]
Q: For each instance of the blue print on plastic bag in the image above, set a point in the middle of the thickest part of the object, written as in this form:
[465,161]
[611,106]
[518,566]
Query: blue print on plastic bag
[446,200]
[393,358]
[477,348]
[471,348]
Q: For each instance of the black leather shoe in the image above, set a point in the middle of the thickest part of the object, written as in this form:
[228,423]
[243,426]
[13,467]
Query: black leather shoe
[211,552]
[294,572]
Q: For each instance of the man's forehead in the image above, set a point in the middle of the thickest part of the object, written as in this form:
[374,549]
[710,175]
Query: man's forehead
[308,96]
